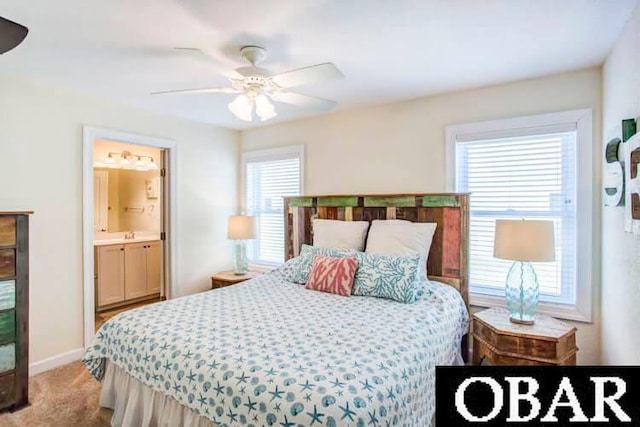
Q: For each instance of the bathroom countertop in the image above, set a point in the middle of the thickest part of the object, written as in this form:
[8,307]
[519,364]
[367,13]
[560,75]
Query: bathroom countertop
[122,240]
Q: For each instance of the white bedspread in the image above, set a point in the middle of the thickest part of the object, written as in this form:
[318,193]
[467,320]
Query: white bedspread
[269,352]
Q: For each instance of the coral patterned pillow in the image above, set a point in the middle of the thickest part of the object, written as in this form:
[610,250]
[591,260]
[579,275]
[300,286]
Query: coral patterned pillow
[333,275]
[297,269]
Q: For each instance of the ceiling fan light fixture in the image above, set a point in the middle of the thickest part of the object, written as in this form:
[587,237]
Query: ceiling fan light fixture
[242,107]
[258,87]
[264,108]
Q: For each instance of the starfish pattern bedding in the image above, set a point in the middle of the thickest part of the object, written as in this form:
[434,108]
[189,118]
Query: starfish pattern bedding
[268,352]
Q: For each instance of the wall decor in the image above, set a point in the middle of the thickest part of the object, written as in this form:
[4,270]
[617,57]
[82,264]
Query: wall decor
[628,129]
[613,175]
[632,185]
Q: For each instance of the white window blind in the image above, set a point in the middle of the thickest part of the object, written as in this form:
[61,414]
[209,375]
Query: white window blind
[268,179]
[531,176]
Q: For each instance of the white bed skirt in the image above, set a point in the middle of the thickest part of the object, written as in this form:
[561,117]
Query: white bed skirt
[137,405]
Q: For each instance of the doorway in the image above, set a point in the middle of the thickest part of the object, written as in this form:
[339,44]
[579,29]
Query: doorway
[128,222]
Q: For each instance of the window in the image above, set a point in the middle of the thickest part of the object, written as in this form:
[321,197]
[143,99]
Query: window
[269,175]
[528,168]
[526,177]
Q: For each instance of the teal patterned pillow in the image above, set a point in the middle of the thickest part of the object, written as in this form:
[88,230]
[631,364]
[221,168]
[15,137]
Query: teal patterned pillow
[290,269]
[386,276]
[297,269]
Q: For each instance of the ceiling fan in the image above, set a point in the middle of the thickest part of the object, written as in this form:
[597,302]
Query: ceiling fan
[11,34]
[256,86]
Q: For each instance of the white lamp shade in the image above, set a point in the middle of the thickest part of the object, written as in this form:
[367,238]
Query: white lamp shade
[264,108]
[242,107]
[524,240]
[241,227]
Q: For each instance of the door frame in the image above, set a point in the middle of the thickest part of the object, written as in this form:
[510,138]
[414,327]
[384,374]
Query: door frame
[170,249]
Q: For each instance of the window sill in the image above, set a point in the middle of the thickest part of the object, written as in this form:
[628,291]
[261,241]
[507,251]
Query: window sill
[560,311]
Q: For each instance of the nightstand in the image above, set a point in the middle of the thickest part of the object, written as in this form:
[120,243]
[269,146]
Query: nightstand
[227,278]
[498,341]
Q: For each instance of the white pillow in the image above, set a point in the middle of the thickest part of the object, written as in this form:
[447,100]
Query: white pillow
[328,233]
[401,238]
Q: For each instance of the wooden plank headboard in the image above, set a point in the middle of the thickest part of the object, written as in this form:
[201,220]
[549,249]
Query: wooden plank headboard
[448,260]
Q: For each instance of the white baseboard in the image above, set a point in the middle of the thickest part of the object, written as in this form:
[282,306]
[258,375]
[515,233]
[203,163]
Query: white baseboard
[55,361]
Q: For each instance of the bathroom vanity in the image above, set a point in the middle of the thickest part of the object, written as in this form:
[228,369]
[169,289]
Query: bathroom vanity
[126,271]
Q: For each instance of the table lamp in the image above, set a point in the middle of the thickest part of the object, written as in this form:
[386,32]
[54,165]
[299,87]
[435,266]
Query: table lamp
[523,241]
[240,229]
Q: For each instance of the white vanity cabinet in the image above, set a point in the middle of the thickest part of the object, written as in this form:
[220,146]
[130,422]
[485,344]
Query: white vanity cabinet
[135,270]
[109,270]
[154,267]
[127,272]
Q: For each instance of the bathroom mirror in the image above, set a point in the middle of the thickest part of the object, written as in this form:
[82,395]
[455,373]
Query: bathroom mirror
[126,200]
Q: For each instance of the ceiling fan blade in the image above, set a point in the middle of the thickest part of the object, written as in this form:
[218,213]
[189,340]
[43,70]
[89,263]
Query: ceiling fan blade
[253,71]
[306,101]
[200,54]
[197,91]
[306,75]
[190,50]
[11,34]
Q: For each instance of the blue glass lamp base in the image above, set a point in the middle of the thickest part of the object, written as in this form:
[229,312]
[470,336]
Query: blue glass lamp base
[522,292]
[240,259]
[518,319]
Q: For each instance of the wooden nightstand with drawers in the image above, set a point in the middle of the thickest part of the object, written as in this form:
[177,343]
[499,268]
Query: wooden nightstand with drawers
[498,341]
[228,278]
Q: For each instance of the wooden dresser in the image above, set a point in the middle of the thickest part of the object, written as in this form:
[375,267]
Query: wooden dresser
[14,309]
[497,341]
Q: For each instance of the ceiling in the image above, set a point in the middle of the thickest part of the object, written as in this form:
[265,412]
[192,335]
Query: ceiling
[388,50]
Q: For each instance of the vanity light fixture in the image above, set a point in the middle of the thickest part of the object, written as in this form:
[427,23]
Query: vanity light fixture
[109,160]
[128,160]
[124,160]
[140,165]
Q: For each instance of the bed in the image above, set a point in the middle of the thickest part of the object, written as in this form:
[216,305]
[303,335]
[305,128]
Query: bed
[269,352]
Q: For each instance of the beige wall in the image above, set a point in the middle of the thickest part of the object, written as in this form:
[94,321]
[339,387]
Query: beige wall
[620,250]
[132,194]
[41,169]
[400,147]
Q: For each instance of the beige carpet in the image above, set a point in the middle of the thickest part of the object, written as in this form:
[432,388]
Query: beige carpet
[63,397]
